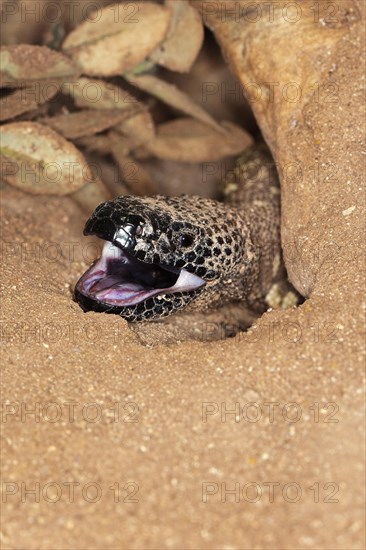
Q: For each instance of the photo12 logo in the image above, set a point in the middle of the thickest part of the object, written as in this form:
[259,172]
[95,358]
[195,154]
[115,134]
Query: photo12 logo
[71,10]
[269,412]
[53,412]
[68,491]
[270,491]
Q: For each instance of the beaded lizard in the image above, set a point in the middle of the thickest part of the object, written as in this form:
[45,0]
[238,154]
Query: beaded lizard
[165,254]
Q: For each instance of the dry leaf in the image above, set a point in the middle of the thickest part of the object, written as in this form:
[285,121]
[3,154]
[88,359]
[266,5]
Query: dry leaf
[171,95]
[84,123]
[91,194]
[134,175]
[23,100]
[98,94]
[95,144]
[24,63]
[117,40]
[138,129]
[37,160]
[184,39]
[188,140]
[137,179]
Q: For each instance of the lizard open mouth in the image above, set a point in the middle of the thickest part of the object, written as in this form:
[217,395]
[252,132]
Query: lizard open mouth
[119,279]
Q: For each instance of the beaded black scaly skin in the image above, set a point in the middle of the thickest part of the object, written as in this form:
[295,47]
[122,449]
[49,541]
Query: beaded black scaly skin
[234,246]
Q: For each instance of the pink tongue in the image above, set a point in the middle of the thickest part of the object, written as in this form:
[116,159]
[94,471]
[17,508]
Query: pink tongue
[133,293]
[130,293]
[102,287]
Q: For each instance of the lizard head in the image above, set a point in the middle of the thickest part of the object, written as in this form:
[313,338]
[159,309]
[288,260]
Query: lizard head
[160,255]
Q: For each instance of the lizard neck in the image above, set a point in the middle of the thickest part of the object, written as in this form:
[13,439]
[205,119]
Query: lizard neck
[255,192]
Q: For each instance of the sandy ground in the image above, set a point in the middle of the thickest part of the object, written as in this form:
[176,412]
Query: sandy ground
[251,442]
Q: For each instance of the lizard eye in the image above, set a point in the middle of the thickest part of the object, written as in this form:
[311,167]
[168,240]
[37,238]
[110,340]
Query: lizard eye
[186,240]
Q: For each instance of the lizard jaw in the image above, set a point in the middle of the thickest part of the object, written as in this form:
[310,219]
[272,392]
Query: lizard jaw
[119,279]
